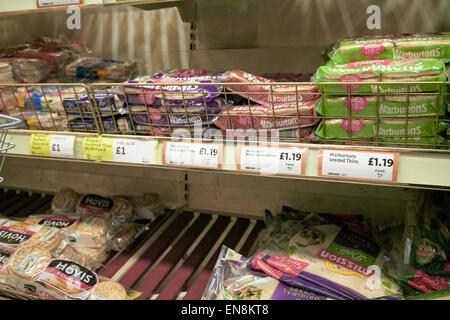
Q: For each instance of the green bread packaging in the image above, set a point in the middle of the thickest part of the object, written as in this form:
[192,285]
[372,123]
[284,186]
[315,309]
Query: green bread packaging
[394,47]
[378,76]
[420,130]
[389,106]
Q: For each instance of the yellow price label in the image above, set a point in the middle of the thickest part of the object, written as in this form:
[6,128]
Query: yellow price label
[40,145]
[99,149]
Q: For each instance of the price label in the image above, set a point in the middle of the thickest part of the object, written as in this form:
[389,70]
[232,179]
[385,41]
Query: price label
[272,160]
[120,150]
[198,155]
[52,145]
[366,165]
[57,3]
[135,151]
[98,148]
[62,146]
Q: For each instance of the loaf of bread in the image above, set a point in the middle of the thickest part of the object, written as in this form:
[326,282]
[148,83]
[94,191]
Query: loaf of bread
[65,201]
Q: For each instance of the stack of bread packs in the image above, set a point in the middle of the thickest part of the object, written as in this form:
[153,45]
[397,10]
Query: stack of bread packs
[403,105]
[55,255]
[7,100]
[283,110]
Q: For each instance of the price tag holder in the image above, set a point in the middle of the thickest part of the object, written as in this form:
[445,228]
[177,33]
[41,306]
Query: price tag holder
[98,148]
[196,155]
[120,150]
[135,151]
[45,145]
[57,3]
[272,160]
[366,165]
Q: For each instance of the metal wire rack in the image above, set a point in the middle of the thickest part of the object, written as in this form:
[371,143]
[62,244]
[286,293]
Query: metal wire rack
[286,112]
[50,106]
[300,112]
[6,123]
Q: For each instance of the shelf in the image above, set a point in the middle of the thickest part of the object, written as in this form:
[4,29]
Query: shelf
[185,7]
[172,258]
[31,6]
[422,169]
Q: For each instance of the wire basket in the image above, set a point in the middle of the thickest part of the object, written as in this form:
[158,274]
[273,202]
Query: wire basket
[6,123]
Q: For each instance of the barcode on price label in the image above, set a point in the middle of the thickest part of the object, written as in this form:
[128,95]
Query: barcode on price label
[197,155]
[272,160]
[367,165]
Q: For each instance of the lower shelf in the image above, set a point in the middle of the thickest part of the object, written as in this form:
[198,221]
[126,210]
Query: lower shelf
[172,258]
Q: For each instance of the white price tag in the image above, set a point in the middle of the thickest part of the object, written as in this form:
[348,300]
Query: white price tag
[199,155]
[271,160]
[62,146]
[134,151]
[367,165]
[55,3]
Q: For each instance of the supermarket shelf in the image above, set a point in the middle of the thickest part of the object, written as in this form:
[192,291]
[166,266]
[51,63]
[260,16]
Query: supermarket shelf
[31,6]
[185,7]
[418,168]
[173,258]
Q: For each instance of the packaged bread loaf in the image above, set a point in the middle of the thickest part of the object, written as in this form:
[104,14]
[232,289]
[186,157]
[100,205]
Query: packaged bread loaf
[398,46]
[91,231]
[80,256]
[65,201]
[66,279]
[384,106]
[13,234]
[147,206]
[358,74]
[422,128]
[270,94]
[116,207]
[122,236]
[55,221]
[28,262]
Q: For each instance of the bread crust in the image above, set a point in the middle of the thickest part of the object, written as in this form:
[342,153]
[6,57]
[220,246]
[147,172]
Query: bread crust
[109,290]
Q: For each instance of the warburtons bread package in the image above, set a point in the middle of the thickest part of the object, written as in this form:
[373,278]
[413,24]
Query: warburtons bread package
[383,71]
[384,106]
[394,47]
